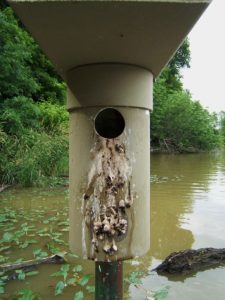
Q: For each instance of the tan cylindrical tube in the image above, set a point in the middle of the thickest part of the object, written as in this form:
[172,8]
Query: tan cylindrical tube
[109,181]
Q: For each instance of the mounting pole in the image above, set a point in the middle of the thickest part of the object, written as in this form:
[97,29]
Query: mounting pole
[109,280]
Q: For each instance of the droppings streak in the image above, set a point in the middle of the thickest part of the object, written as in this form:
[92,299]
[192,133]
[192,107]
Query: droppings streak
[108,196]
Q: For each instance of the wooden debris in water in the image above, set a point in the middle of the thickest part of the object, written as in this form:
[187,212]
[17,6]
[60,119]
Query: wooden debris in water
[189,260]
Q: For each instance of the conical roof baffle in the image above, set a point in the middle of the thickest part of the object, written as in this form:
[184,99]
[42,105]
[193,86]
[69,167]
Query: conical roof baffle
[142,33]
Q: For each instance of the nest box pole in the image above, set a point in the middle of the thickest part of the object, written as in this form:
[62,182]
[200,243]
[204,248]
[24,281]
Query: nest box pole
[109,280]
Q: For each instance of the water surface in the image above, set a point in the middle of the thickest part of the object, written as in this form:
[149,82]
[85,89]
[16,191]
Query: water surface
[187,211]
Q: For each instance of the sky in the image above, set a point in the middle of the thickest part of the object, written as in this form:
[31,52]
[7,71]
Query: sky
[206,77]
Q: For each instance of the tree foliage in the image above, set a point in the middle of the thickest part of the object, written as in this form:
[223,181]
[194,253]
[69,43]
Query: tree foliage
[33,141]
[178,123]
[33,119]
[181,59]
[15,57]
[221,125]
[24,70]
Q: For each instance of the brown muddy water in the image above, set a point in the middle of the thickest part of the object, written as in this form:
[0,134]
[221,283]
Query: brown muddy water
[187,211]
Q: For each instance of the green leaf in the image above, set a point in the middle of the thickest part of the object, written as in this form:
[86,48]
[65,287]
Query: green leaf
[10,228]
[3,218]
[4,248]
[59,288]
[134,278]
[19,260]
[32,241]
[73,255]
[7,237]
[79,296]
[84,280]
[71,281]
[27,243]
[21,276]
[32,273]
[44,230]
[63,223]
[43,234]
[26,295]
[52,248]
[3,279]
[24,245]
[65,268]
[36,252]
[59,241]
[162,293]
[59,273]
[39,253]
[2,290]
[77,268]
[90,288]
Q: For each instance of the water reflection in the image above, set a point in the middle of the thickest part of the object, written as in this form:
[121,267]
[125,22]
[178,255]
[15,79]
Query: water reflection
[172,199]
[187,211]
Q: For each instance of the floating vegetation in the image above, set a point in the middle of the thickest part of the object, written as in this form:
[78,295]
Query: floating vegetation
[162,179]
[72,278]
[26,294]
[34,233]
[135,279]
[35,228]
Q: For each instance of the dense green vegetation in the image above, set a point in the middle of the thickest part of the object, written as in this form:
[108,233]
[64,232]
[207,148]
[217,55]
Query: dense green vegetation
[33,118]
[178,123]
[221,124]
[34,122]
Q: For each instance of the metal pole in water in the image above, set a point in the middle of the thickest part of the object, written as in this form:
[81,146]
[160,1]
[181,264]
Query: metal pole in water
[109,280]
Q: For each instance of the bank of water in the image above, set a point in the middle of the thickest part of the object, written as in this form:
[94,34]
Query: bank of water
[187,211]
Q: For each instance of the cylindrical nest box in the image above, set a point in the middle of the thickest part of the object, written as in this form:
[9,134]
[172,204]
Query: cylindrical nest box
[108,52]
[109,108]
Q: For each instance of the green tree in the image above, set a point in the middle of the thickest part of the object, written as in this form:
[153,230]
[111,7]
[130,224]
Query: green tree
[171,73]
[222,125]
[167,83]
[33,142]
[16,76]
[177,122]
[33,119]
[181,59]
[187,126]
[18,115]
[24,69]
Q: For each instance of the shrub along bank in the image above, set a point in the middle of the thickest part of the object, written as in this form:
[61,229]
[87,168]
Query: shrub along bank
[33,142]
[33,118]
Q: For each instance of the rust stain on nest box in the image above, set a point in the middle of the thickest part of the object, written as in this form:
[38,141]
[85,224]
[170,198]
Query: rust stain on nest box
[108,197]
